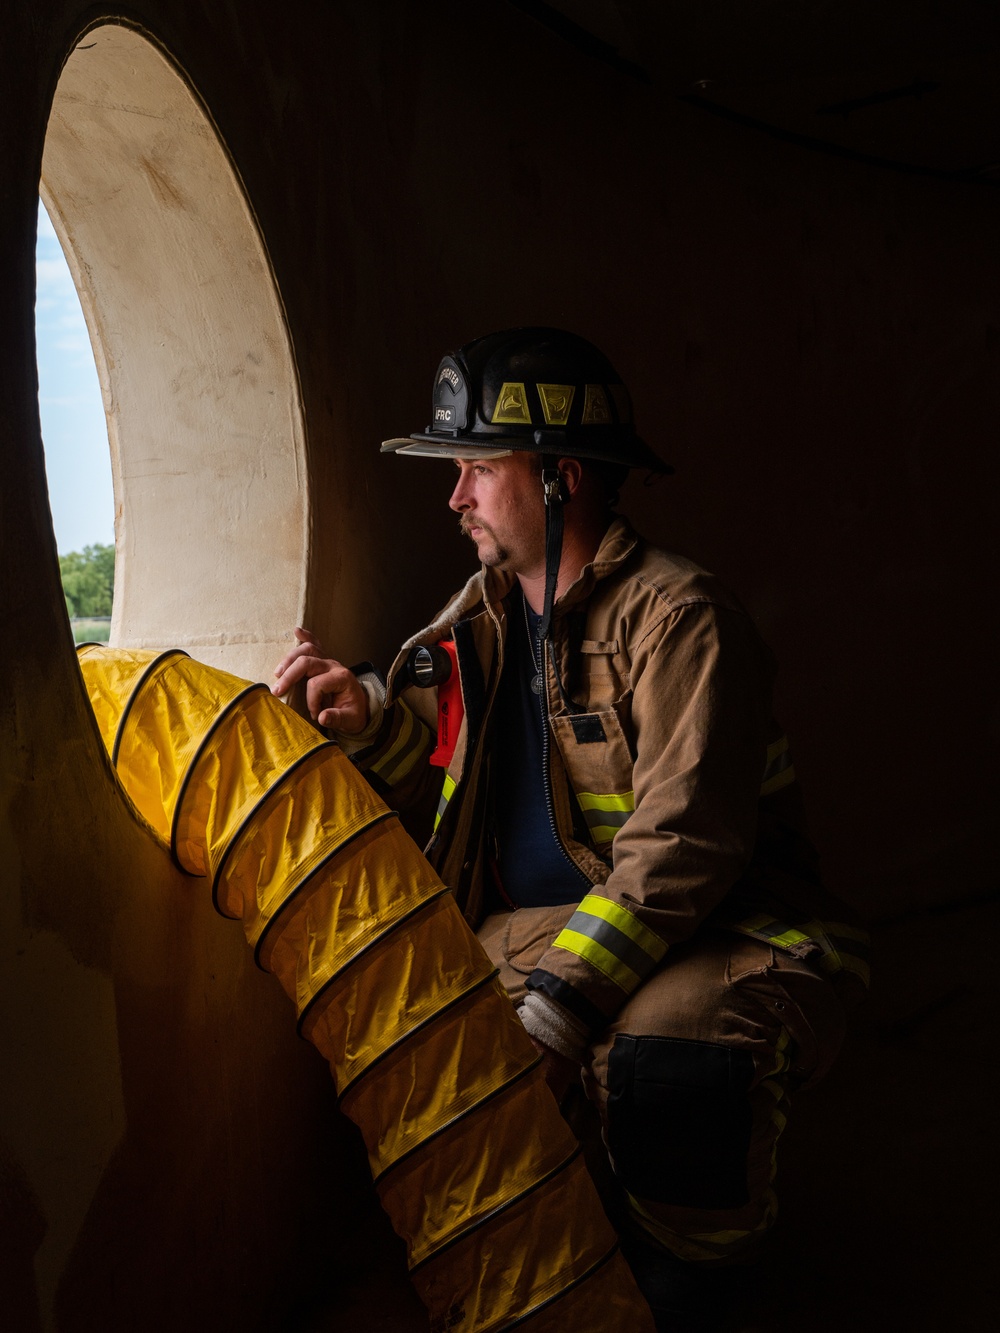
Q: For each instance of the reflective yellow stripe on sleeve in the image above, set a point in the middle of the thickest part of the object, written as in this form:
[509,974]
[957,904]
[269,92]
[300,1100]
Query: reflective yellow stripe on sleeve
[605,813]
[777,932]
[779,770]
[446,792]
[612,940]
[842,948]
[411,739]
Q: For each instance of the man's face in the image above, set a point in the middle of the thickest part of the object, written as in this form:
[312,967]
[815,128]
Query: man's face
[502,511]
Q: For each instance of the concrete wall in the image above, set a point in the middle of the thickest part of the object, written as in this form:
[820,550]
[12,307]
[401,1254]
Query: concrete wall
[811,341]
[198,379]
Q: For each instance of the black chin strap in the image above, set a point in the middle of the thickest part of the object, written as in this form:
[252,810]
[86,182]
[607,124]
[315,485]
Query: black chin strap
[553,544]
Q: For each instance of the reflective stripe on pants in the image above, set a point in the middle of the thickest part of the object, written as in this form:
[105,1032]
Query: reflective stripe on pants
[701,1060]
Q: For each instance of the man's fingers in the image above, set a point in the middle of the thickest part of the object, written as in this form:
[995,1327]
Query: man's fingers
[333,696]
[344,710]
[306,646]
[338,693]
[301,662]
[346,720]
[322,691]
[302,650]
[288,671]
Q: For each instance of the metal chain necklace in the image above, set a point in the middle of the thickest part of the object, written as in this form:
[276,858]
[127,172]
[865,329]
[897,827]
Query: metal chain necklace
[536,679]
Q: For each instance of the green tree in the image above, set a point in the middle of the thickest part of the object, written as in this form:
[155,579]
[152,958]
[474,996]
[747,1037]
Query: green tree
[88,579]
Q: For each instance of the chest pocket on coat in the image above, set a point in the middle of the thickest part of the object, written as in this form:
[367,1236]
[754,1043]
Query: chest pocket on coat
[602,674]
[598,763]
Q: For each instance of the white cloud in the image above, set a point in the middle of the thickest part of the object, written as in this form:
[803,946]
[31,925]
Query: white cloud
[53,277]
[77,343]
[75,402]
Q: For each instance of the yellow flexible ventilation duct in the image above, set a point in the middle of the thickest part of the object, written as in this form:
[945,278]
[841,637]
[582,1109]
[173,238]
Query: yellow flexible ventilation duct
[471,1159]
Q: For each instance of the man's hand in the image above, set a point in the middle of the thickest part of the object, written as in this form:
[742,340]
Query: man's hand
[334,696]
[560,1072]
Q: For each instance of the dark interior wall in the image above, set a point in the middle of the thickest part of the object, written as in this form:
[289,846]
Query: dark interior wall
[810,340]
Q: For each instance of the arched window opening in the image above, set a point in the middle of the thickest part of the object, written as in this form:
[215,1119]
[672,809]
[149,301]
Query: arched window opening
[193,356]
[75,434]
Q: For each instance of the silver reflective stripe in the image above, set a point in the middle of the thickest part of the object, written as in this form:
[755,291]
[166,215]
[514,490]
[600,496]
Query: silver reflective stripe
[446,793]
[612,940]
[842,948]
[611,818]
[605,813]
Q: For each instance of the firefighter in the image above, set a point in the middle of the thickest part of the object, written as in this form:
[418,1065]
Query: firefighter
[619,816]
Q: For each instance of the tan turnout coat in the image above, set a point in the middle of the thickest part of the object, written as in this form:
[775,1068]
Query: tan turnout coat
[671,785]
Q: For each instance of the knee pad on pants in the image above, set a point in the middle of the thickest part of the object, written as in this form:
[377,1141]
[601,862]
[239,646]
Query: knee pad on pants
[679,1120]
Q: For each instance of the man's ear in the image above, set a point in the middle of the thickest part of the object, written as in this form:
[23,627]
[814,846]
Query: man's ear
[570,474]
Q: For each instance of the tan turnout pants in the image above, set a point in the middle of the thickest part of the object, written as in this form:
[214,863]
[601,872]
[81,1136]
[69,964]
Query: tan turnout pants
[692,1079]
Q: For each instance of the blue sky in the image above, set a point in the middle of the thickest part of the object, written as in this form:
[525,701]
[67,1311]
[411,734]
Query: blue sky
[77,459]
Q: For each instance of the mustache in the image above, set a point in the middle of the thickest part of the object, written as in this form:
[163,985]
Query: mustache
[465,523]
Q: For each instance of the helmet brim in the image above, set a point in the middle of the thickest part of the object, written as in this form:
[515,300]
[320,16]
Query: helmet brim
[638,455]
[441,449]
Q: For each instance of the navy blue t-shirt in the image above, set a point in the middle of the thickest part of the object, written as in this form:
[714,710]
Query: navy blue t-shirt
[533,868]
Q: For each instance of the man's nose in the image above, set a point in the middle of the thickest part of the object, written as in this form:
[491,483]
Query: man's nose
[460,500]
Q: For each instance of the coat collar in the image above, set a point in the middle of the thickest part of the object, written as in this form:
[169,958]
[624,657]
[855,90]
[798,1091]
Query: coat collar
[617,544]
[492,586]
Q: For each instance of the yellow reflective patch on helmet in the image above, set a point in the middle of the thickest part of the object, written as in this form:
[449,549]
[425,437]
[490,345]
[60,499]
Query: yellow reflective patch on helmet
[596,411]
[512,406]
[556,400]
